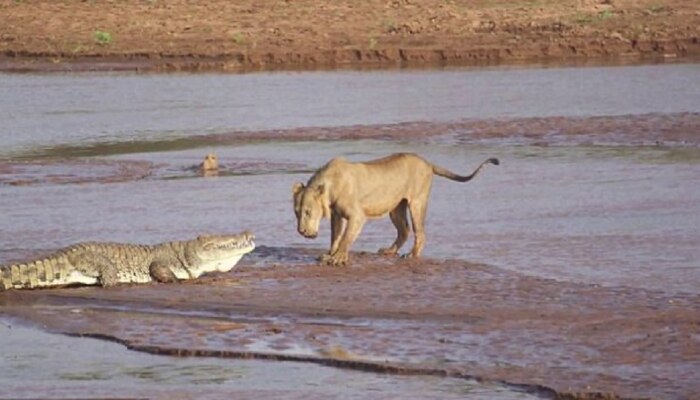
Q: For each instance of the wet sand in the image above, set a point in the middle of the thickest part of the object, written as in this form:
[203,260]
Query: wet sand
[428,317]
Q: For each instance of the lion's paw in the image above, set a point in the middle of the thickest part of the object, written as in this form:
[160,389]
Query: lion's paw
[387,251]
[337,259]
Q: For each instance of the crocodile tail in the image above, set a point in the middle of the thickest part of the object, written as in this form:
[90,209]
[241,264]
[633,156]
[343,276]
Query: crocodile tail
[462,178]
[30,275]
[20,276]
[5,278]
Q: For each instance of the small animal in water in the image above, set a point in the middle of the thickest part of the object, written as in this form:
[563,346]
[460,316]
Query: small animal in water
[210,165]
[349,193]
[108,264]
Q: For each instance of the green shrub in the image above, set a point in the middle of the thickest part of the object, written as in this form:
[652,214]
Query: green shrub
[102,37]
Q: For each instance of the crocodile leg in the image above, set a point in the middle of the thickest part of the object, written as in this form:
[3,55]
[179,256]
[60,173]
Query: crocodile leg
[96,266]
[162,273]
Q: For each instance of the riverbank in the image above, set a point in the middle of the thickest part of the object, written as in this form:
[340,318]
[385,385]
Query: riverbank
[243,36]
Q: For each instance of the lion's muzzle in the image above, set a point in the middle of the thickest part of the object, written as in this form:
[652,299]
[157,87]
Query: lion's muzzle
[308,235]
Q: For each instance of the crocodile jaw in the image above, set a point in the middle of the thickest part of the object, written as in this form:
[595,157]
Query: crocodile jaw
[220,252]
[222,265]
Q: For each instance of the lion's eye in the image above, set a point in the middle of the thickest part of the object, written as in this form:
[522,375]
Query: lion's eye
[307,212]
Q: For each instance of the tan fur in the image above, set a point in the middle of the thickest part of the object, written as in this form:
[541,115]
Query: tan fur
[350,193]
[210,164]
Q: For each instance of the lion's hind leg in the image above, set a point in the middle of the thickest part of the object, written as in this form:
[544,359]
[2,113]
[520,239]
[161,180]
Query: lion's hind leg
[418,211]
[399,218]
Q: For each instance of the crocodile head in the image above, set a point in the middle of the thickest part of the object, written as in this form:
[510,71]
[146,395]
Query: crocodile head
[218,252]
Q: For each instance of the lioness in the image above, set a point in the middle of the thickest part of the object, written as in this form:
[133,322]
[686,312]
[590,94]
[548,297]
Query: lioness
[350,193]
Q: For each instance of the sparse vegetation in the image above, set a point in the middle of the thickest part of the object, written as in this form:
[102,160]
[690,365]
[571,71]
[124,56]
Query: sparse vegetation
[656,9]
[389,26]
[605,14]
[581,18]
[372,43]
[238,37]
[102,38]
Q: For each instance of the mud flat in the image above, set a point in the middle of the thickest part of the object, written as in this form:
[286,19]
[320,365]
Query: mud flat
[436,318]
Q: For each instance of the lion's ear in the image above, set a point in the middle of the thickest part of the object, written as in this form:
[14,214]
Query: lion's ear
[298,187]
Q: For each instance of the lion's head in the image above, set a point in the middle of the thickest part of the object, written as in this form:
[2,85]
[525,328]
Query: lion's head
[310,205]
[210,163]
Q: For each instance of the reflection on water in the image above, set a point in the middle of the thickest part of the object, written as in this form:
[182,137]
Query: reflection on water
[37,364]
[47,110]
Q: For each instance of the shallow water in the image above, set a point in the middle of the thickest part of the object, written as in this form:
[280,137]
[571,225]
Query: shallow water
[39,111]
[617,214]
[61,366]
[600,215]
[613,214]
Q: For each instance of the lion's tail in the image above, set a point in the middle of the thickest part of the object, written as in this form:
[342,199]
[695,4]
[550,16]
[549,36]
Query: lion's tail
[460,178]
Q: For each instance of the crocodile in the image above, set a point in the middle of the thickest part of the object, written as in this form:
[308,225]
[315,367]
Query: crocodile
[108,264]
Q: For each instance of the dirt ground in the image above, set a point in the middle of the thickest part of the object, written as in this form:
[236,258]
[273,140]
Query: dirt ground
[427,317]
[302,34]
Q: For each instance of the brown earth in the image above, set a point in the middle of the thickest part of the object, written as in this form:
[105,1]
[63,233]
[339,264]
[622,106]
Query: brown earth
[445,318]
[297,34]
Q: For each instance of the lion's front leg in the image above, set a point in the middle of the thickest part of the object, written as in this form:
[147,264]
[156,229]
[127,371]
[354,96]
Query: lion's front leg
[337,231]
[352,231]
[338,224]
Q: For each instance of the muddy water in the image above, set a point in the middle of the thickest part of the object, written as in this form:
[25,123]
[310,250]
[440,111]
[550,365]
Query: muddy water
[599,182]
[607,215]
[42,111]
[64,367]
